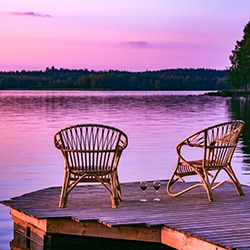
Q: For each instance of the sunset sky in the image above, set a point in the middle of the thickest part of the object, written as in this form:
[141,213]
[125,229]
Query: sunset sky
[134,35]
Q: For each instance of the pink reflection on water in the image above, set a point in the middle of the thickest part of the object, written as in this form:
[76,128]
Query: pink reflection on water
[154,121]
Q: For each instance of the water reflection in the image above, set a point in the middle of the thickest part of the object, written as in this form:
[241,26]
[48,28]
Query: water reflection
[239,107]
[154,121]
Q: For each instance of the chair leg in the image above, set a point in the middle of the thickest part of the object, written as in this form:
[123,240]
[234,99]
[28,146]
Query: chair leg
[173,180]
[207,184]
[235,180]
[239,188]
[204,183]
[114,190]
[64,190]
[117,184]
[207,187]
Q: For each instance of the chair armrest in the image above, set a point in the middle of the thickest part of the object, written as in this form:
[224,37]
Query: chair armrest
[58,143]
[193,141]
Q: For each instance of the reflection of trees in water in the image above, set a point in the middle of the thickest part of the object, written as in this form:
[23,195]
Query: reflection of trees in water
[240,109]
[134,103]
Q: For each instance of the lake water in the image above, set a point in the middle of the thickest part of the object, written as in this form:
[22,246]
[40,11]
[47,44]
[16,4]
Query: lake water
[154,122]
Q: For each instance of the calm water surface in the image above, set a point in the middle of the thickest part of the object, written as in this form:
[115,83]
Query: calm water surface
[154,122]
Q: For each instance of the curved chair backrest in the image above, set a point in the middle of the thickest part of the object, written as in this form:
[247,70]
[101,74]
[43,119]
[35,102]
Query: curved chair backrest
[221,141]
[91,147]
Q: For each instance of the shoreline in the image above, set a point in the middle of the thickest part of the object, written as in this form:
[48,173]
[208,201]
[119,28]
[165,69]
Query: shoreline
[230,93]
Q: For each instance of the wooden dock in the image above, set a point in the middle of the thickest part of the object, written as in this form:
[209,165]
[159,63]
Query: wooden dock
[186,222]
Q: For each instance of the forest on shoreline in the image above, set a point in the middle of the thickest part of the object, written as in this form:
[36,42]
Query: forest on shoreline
[169,79]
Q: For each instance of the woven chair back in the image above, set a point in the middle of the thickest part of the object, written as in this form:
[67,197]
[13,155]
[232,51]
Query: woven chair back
[220,143]
[91,148]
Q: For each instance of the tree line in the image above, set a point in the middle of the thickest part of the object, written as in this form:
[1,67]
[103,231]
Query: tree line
[84,79]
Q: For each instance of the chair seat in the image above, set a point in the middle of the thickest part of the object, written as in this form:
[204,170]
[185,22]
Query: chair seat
[91,178]
[198,164]
[184,168]
[91,171]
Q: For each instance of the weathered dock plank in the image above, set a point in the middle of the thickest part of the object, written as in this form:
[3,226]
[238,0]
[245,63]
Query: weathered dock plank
[186,222]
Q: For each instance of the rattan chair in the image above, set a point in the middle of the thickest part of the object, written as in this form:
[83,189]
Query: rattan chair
[217,145]
[91,153]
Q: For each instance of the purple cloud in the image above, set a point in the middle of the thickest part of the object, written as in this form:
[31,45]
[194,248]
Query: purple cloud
[137,44]
[29,13]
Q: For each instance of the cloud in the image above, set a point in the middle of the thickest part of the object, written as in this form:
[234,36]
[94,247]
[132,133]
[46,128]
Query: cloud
[136,44]
[29,13]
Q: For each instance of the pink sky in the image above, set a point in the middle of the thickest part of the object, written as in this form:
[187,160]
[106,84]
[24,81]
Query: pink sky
[134,35]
